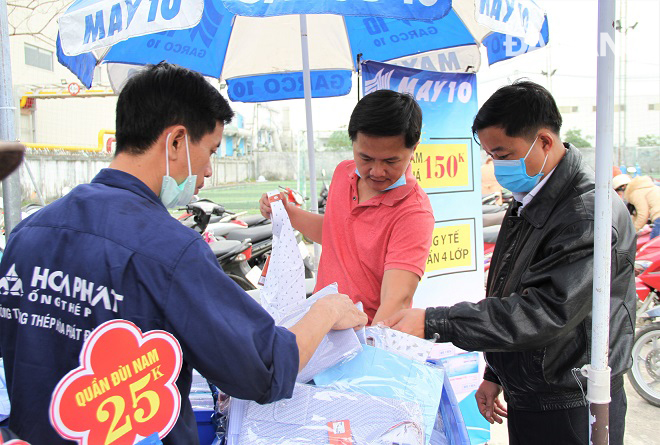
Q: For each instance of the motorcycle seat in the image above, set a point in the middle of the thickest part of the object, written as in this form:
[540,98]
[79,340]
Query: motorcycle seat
[223,247]
[490,234]
[256,234]
[254,220]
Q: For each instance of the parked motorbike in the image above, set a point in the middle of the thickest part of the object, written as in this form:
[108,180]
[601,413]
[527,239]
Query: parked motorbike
[323,194]
[647,281]
[232,255]
[261,236]
[645,372]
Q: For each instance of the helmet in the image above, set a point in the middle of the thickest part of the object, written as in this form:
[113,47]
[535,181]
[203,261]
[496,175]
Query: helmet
[620,180]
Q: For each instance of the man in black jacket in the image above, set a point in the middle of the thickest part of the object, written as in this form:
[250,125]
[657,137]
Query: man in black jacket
[535,324]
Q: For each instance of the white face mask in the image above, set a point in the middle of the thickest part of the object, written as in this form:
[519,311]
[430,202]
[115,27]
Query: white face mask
[171,193]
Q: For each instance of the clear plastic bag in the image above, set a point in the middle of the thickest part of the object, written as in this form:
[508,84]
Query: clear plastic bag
[320,416]
[5,406]
[399,343]
[285,280]
[381,373]
[335,348]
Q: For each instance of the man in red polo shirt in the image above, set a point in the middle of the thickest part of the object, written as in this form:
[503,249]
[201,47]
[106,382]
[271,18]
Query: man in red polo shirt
[376,231]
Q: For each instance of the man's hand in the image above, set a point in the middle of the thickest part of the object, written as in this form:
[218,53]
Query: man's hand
[334,311]
[489,403]
[347,315]
[264,204]
[410,321]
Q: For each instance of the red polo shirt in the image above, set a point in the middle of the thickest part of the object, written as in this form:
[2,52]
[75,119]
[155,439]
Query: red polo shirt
[361,241]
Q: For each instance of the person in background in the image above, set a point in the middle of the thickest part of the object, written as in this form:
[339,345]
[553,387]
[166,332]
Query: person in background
[644,195]
[535,323]
[619,183]
[377,227]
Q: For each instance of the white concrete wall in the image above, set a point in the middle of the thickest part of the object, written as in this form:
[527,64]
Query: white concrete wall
[639,120]
[286,165]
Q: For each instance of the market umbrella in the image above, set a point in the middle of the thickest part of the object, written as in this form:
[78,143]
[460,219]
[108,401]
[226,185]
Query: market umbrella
[265,52]
[260,40]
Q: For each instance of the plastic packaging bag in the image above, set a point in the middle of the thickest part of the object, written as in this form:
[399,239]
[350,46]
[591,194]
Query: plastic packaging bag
[399,343]
[285,280]
[381,373]
[5,406]
[322,416]
[336,347]
[450,426]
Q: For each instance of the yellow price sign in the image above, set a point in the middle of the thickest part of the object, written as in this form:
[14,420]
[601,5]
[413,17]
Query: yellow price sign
[451,247]
[441,165]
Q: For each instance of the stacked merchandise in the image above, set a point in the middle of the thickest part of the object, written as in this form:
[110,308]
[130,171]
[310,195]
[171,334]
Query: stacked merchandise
[373,387]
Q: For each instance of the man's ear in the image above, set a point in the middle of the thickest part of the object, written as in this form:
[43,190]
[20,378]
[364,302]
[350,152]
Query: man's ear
[412,155]
[547,141]
[176,141]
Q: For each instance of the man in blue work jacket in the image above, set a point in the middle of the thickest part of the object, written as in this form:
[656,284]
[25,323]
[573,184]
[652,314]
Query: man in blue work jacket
[110,250]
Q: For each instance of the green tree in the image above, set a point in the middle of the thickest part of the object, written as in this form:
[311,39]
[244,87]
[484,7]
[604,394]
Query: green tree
[574,136]
[339,141]
[649,140]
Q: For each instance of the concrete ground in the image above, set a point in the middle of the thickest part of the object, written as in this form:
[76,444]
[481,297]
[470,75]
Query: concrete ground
[642,422]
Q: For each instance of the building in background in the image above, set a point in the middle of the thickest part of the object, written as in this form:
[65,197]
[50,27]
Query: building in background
[53,108]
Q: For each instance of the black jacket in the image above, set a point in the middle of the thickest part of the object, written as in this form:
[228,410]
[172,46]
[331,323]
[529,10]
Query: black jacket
[535,324]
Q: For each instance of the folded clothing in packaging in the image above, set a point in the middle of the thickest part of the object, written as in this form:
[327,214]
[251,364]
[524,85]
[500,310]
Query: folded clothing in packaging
[322,416]
[381,373]
[336,347]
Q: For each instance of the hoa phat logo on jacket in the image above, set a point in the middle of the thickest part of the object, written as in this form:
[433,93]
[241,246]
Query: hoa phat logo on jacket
[11,284]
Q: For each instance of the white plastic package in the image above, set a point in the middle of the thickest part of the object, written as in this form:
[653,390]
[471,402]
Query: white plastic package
[285,280]
[322,416]
[5,406]
[335,348]
[400,343]
[381,373]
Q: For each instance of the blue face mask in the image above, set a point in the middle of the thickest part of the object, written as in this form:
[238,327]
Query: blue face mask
[401,181]
[171,193]
[512,175]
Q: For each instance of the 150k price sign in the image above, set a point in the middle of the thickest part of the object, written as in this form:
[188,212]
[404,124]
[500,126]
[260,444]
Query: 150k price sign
[124,389]
[441,166]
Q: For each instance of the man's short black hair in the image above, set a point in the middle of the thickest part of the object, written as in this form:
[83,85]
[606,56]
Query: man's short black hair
[164,95]
[521,109]
[387,113]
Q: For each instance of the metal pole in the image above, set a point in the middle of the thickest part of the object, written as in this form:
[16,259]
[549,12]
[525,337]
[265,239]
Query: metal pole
[598,372]
[11,186]
[624,30]
[307,85]
[621,101]
[34,183]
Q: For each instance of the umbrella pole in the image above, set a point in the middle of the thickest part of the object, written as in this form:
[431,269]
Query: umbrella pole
[598,372]
[307,85]
[11,186]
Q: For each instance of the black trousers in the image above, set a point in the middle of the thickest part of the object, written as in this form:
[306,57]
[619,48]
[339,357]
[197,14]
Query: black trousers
[564,427]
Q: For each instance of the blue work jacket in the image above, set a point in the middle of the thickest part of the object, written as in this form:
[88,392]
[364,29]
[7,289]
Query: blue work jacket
[110,250]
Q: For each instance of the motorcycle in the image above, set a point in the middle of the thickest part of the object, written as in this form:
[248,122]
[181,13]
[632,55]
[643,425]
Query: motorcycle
[645,372]
[261,236]
[254,229]
[323,194]
[647,280]
[232,255]
[492,215]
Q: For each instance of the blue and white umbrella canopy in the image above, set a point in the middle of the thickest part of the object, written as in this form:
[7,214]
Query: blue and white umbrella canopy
[255,44]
